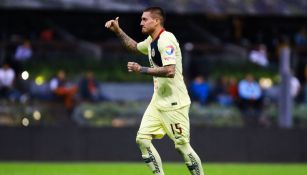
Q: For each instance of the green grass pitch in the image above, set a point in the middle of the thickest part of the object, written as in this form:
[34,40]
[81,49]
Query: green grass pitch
[103,168]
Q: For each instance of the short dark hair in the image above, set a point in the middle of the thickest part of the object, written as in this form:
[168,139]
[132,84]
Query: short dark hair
[158,11]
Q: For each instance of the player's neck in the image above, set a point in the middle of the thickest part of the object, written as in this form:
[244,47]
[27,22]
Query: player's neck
[157,32]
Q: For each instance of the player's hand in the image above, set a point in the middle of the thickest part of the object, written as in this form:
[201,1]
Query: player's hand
[113,25]
[133,67]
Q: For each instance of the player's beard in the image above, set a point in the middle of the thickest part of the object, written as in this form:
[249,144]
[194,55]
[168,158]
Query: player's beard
[146,31]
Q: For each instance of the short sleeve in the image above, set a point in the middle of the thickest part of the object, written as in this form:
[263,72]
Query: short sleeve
[143,46]
[167,48]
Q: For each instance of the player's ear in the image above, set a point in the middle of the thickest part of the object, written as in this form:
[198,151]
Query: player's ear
[157,20]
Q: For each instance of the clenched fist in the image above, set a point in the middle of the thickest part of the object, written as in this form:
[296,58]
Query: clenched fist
[133,67]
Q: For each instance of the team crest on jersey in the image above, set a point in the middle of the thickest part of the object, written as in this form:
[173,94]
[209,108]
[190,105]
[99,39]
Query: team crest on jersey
[153,52]
[169,50]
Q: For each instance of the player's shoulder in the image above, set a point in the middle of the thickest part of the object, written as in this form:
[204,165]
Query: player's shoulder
[167,37]
[167,34]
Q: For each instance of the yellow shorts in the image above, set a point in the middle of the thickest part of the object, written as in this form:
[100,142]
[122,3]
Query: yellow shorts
[156,123]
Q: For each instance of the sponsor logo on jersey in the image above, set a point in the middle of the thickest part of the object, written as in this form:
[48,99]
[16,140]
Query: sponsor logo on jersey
[151,63]
[153,52]
[169,50]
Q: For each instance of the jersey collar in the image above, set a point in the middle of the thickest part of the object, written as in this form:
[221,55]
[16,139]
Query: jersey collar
[161,31]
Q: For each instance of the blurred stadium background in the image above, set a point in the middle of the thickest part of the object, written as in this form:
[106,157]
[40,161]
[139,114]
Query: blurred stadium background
[95,113]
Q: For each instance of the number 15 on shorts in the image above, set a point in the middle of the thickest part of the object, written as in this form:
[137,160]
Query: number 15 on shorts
[176,128]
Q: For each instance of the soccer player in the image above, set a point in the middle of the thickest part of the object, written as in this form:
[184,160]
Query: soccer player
[168,111]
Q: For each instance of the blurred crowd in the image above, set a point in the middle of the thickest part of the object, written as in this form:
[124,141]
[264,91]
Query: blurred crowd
[246,92]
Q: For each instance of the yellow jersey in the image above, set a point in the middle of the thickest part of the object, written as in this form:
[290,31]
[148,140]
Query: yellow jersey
[169,93]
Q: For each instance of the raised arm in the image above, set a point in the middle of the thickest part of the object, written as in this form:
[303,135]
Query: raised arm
[165,71]
[127,41]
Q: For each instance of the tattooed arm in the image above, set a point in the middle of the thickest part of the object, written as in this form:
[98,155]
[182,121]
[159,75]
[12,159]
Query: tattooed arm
[128,42]
[166,71]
